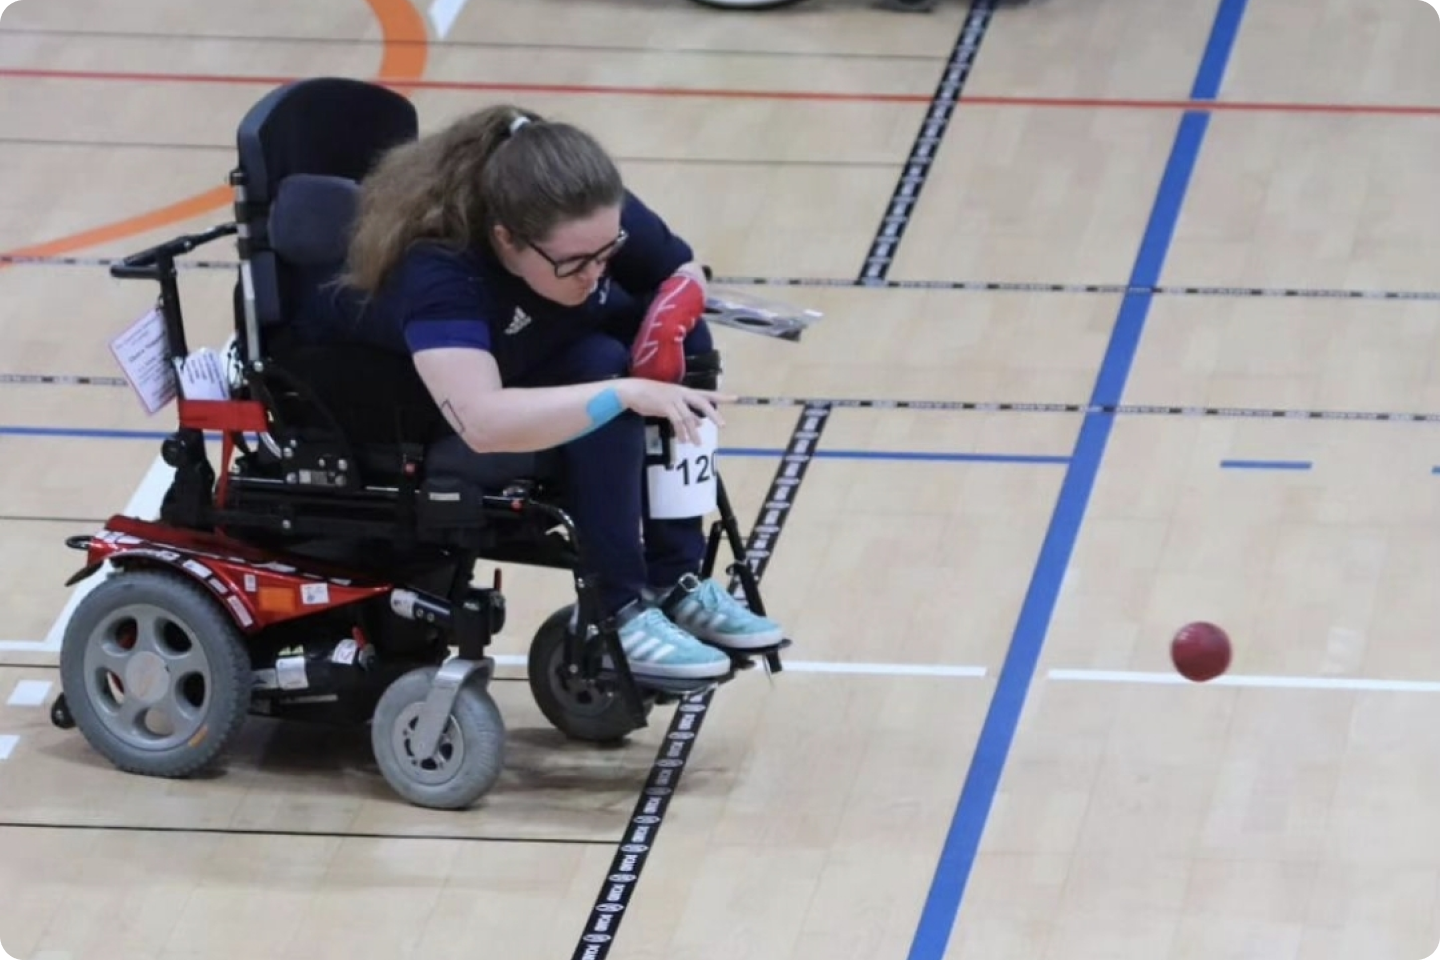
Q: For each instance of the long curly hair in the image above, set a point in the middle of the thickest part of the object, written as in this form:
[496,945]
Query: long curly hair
[454,185]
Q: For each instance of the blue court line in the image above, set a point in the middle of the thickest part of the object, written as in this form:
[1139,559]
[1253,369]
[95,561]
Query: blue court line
[1265,464]
[87,433]
[962,843]
[96,433]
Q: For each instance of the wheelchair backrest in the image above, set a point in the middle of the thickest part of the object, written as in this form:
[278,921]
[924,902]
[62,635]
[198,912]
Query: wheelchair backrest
[302,149]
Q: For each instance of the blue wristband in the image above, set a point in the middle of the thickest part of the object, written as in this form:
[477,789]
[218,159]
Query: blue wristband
[603,408]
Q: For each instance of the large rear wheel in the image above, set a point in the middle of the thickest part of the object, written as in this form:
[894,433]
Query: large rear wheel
[155,674]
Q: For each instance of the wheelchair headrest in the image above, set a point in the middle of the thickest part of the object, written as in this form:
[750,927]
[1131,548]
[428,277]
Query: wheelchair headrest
[311,217]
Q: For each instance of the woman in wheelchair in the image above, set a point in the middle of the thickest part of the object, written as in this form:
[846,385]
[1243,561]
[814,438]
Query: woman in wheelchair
[546,307]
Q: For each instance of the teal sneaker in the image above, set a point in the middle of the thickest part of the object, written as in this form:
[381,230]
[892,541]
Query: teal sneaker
[655,647]
[704,610]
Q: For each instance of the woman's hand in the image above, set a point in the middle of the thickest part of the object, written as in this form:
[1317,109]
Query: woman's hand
[682,406]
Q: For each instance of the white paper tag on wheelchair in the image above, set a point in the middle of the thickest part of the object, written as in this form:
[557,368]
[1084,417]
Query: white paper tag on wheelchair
[686,487]
[202,376]
[143,353]
[769,318]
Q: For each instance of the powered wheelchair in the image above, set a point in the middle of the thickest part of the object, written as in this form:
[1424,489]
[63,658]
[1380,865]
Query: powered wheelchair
[327,571]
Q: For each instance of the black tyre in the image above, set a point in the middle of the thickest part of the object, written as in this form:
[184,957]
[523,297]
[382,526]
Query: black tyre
[467,761]
[591,711]
[155,674]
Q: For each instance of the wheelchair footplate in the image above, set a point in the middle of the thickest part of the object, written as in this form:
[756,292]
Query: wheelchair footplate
[661,689]
[748,658]
[584,672]
[672,690]
[666,690]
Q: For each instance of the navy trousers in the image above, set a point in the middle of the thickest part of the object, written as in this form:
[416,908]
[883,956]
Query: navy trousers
[605,481]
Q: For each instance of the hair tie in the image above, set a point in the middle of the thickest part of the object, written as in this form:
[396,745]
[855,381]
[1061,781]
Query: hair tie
[517,123]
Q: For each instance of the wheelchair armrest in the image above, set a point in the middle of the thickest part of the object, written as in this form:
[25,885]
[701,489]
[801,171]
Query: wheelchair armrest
[152,263]
[702,371]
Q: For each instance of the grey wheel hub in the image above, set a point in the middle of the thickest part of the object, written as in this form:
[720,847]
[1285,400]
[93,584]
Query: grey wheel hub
[581,697]
[149,677]
[449,753]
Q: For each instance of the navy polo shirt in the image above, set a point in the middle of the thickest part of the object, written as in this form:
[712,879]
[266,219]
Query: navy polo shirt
[439,297]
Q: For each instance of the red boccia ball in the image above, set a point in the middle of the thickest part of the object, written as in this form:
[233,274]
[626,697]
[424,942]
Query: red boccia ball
[1200,651]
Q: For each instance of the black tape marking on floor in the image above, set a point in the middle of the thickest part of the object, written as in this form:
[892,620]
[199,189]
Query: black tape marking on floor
[36,261]
[1124,409]
[923,151]
[634,850]
[1113,289]
[944,406]
[969,286]
[59,380]
[618,887]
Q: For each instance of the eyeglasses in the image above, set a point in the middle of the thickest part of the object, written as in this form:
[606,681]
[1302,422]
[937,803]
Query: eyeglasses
[570,266]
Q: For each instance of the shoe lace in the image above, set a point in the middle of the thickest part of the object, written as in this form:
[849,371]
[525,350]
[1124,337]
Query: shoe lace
[712,598]
[655,623]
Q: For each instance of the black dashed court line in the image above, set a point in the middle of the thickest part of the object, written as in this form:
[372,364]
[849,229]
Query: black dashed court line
[648,815]
[958,286]
[946,406]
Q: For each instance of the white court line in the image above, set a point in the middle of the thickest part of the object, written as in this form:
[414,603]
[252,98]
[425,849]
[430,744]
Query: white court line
[144,505]
[884,669]
[7,745]
[816,666]
[443,14]
[29,693]
[1282,683]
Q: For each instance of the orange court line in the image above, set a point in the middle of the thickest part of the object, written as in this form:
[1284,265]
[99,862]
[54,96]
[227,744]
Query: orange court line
[404,57]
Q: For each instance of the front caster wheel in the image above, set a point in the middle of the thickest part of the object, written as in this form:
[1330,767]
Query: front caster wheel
[465,763]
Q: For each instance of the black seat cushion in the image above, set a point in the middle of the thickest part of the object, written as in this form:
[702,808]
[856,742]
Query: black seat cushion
[381,404]
[451,459]
[375,395]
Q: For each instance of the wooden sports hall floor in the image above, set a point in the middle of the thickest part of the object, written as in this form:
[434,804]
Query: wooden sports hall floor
[1221,216]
